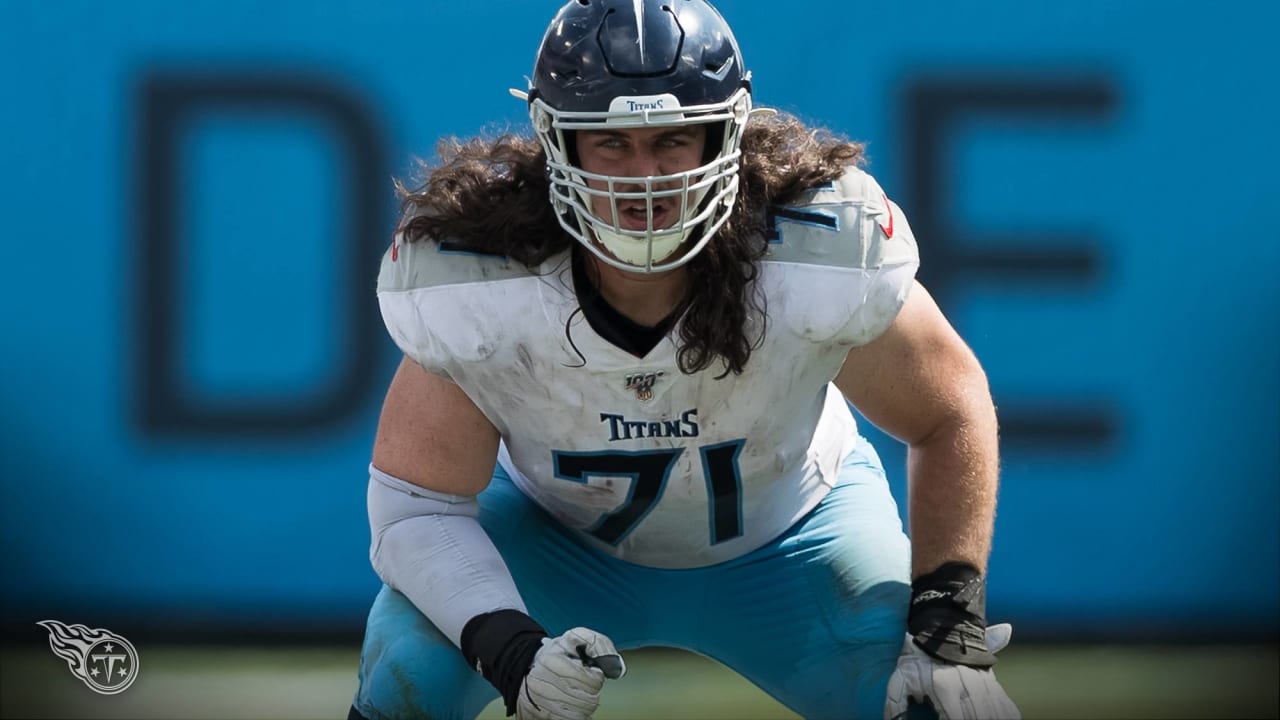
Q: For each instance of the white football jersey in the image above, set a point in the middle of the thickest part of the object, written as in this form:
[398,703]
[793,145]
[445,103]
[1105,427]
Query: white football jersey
[651,465]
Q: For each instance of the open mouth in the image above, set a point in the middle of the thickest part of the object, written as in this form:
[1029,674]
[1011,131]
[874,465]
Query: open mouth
[635,216]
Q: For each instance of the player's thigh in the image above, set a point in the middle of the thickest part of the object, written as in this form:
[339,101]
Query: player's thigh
[563,582]
[820,614]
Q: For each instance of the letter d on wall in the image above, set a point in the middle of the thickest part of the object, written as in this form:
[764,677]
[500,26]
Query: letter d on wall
[232,293]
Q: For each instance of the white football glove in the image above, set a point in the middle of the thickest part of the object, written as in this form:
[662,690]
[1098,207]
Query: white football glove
[566,677]
[957,692]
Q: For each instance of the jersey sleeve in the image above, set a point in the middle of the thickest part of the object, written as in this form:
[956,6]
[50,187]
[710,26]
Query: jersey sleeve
[433,302]
[399,299]
[851,260]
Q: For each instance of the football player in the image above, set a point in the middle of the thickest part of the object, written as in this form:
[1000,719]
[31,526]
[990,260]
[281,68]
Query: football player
[622,418]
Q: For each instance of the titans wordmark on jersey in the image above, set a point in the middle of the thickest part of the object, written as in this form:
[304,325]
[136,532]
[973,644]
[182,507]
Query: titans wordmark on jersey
[652,465]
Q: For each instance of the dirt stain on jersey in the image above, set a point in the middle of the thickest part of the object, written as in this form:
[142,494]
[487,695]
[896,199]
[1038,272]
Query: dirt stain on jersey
[525,359]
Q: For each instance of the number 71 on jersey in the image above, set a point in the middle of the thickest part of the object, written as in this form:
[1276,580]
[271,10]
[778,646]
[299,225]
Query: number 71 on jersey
[649,471]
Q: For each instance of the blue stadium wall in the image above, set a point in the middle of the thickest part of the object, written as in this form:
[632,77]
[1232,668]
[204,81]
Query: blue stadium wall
[195,196]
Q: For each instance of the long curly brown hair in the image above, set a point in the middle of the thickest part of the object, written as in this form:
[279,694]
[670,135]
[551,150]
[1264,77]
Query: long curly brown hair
[491,195]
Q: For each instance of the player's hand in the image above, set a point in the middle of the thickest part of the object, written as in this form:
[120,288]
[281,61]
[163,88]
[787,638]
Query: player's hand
[956,692]
[566,677]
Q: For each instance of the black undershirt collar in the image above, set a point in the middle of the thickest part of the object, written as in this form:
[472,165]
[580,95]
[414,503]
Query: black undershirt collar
[610,324]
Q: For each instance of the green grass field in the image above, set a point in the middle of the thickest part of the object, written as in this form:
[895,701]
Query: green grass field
[1047,682]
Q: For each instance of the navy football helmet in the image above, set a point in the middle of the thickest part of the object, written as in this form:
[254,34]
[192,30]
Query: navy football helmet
[634,64]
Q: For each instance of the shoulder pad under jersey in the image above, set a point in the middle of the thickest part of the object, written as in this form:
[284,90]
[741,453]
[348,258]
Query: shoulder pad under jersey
[423,288]
[426,264]
[849,223]
[846,259]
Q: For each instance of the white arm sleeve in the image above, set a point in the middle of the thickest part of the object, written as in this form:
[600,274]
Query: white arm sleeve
[429,546]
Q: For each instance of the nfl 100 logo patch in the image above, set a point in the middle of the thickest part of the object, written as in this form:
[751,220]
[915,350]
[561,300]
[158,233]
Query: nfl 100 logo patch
[642,384]
[104,661]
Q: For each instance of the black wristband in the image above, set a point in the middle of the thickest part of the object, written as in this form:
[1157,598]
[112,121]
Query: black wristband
[948,615]
[500,646]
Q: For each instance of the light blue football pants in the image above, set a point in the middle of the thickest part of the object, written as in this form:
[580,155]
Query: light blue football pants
[815,618]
